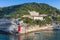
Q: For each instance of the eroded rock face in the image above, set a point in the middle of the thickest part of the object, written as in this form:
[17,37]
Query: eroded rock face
[56,27]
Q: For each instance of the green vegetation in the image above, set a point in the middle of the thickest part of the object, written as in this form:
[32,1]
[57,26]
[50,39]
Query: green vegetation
[17,11]
[56,18]
[22,9]
[33,22]
[47,19]
[39,22]
[27,20]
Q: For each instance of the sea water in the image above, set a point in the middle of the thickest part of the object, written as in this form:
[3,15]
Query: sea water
[44,35]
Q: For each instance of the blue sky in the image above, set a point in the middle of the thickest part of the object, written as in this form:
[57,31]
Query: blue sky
[5,3]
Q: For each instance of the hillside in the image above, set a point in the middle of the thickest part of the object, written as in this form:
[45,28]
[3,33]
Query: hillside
[22,9]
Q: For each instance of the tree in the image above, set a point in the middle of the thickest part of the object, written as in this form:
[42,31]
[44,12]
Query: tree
[27,20]
[47,19]
[39,22]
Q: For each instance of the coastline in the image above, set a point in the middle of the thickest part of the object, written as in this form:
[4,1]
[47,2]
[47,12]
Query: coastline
[35,29]
[21,34]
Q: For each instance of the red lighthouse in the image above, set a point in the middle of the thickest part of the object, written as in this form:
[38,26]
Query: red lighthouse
[19,28]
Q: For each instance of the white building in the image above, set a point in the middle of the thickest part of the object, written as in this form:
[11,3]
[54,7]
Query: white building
[35,15]
[38,18]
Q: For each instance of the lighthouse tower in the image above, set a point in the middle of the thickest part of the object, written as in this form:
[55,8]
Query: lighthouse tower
[19,28]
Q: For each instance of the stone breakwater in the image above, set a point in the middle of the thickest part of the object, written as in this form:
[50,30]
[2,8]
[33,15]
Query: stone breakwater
[30,29]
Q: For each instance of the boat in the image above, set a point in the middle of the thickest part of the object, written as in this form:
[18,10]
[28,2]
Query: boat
[37,32]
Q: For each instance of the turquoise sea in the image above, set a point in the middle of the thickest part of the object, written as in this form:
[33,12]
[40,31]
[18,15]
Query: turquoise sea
[45,35]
